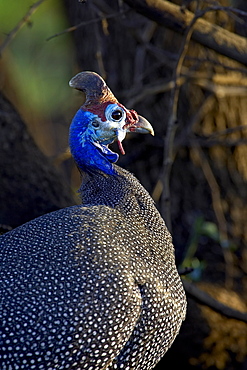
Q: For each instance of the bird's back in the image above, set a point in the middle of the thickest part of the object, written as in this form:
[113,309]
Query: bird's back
[93,286]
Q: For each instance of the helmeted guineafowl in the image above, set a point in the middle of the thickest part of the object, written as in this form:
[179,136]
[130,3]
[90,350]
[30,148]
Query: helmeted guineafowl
[93,286]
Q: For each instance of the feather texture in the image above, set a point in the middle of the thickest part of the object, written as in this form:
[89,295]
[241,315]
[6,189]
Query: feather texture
[93,286]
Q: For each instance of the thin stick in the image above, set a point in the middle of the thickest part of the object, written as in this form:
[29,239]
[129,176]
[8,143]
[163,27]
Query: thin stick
[172,128]
[169,15]
[207,300]
[19,25]
[85,23]
[218,210]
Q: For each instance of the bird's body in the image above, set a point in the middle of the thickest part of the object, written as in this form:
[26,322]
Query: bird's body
[93,286]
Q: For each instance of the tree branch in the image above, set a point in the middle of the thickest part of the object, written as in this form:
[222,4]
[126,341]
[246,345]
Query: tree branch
[19,25]
[210,35]
[205,299]
[172,127]
[85,23]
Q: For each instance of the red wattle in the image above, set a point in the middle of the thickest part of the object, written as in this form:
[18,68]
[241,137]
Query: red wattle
[121,147]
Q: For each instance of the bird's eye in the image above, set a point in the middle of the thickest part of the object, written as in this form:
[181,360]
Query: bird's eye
[117,114]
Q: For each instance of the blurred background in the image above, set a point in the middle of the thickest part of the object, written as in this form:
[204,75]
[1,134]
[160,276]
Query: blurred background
[195,166]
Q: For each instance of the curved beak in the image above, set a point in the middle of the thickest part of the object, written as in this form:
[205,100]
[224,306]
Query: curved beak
[142,126]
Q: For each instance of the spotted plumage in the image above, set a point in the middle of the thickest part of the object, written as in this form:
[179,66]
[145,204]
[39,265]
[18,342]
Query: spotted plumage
[93,286]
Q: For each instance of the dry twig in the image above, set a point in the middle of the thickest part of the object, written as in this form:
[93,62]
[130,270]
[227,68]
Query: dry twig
[172,127]
[218,208]
[205,299]
[210,35]
[85,23]
[19,25]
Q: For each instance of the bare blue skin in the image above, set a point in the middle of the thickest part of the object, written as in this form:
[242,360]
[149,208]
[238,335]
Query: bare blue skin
[89,144]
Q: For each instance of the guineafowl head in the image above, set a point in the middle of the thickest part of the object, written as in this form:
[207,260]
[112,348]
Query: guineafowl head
[100,121]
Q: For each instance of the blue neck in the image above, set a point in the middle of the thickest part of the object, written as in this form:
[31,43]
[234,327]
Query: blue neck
[89,157]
